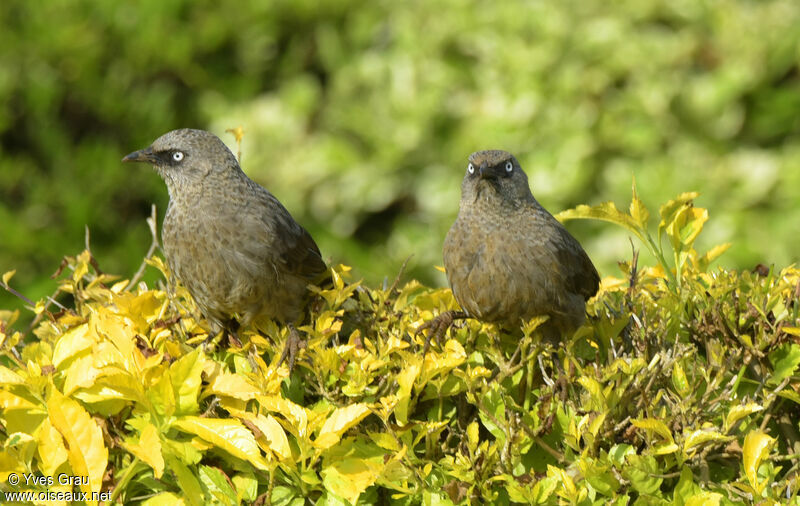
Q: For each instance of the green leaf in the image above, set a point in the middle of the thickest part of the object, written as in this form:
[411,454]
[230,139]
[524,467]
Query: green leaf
[217,484]
[187,481]
[246,487]
[686,488]
[642,472]
[785,360]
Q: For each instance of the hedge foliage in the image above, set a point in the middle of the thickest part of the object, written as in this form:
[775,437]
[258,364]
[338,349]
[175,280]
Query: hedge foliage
[359,115]
[682,388]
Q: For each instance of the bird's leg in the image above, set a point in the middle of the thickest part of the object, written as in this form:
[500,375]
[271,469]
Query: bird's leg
[438,326]
[294,342]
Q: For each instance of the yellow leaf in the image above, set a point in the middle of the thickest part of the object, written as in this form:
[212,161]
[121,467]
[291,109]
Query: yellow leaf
[73,342]
[185,375]
[704,499]
[595,389]
[164,499]
[473,435]
[9,377]
[385,441]
[668,210]
[405,382]
[274,437]
[638,210]
[7,276]
[569,491]
[352,469]
[654,425]
[50,447]
[664,448]
[82,267]
[757,446]
[795,331]
[701,436]
[142,309]
[80,374]
[296,415]
[451,357]
[607,211]
[738,412]
[679,380]
[148,449]
[86,451]
[338,422]
[234,385]
[685,226]
[238,133]
[229,435]
[712,255]
[9,401]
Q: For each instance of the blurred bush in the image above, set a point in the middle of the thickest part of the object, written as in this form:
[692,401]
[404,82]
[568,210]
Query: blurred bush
[360,115]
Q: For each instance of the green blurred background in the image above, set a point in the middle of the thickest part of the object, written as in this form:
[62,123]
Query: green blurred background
[360,115]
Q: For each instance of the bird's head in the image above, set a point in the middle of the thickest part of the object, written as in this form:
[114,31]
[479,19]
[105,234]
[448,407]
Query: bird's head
[495,174]
[187,156]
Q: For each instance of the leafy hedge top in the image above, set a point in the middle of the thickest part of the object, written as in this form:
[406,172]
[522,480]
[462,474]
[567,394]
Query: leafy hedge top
[681,388]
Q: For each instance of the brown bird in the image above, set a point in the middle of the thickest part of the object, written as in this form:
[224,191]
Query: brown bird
[230,241]
[507,259]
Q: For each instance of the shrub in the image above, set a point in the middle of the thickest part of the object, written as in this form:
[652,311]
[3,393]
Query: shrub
[681,388]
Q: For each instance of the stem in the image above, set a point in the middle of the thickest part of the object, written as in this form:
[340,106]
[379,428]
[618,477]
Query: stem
[123,482]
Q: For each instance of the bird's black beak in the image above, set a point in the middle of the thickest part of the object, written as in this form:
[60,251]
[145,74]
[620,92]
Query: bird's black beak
[486,172]
[143,155]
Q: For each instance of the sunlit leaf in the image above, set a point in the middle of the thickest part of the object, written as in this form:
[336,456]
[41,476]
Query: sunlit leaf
[229,435]
[738,412]
[338,422]
[86,449]
[607,211]
[757,446]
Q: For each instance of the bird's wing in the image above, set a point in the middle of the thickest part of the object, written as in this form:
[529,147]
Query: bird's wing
[293,245]
[582,277]
[302,256]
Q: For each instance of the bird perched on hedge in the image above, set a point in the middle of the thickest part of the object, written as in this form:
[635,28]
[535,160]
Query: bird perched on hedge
[507,259]
[230,241]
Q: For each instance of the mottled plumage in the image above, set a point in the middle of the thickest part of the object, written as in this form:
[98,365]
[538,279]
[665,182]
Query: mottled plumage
[507,258]
[227,239]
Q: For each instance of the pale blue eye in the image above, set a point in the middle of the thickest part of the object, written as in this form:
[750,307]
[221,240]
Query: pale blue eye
[177,156]
[509,166]
[471,168]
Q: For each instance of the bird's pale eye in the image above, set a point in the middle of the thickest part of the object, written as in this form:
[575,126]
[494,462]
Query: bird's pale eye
[509,166]
[471,169]
[177,156]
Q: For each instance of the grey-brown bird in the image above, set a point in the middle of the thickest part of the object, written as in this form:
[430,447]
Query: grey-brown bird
[228,240]
[507,258]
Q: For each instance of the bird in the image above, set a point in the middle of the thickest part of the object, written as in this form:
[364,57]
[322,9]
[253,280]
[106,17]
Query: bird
[507,259]
[229,241]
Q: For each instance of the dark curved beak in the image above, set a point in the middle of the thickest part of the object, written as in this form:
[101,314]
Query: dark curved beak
[143,155]
[486,172]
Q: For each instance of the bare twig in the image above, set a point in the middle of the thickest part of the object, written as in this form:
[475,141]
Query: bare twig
[152,222]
